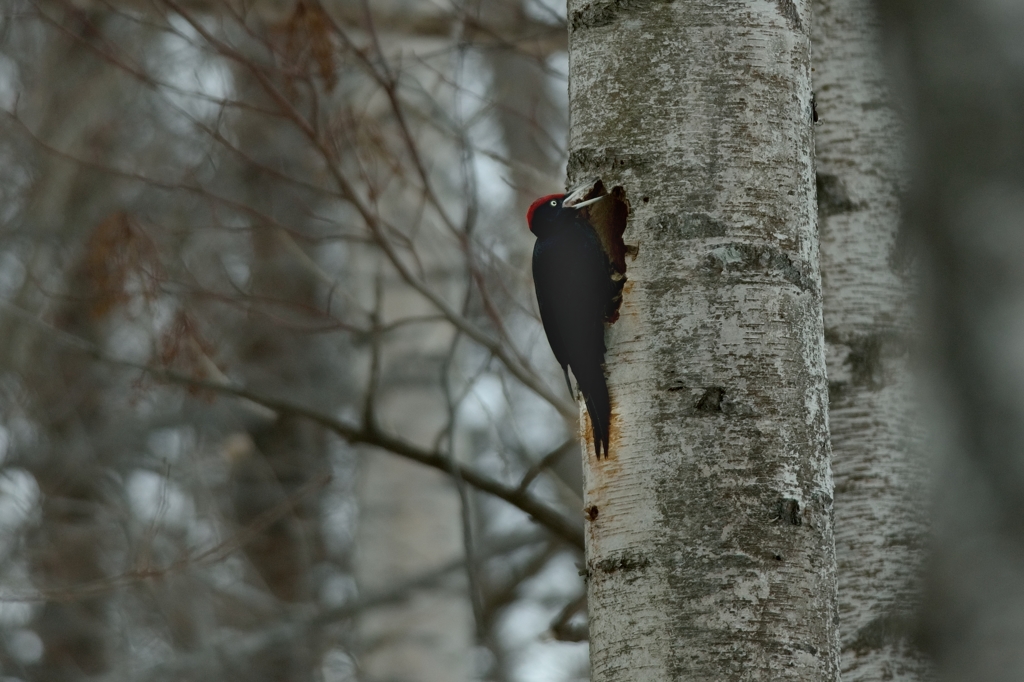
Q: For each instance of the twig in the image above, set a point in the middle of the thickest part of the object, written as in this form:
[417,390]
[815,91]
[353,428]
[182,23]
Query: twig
[366,434]
[546,461]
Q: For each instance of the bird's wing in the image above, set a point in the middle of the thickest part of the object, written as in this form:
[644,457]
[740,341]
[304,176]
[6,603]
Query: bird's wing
[572,278]
[547,279]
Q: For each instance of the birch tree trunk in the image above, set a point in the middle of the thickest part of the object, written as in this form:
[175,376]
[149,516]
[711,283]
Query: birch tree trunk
[709,547]
[877,445]
[964,78]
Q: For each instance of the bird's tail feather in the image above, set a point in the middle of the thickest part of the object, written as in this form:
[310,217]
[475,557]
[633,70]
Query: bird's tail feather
[595,394]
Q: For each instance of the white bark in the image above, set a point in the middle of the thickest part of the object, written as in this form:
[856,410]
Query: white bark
[876,438]
[710,552]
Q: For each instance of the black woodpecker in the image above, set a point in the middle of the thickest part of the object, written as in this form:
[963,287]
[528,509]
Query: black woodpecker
[575,290]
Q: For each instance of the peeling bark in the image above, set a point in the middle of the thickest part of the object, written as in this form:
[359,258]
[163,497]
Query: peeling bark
[709,542]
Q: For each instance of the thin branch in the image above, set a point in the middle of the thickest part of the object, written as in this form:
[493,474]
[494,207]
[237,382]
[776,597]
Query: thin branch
[213,555]
[297,622]
[521,372]
[378,227]
[356,434]
[564,629]
[546,461]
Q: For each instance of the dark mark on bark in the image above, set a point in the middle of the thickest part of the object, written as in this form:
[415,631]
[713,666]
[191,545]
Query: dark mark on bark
[593,15]
[865,361]
[788,510]
[739,258]
[591,162]
[627,562]
[885,631]
[592,513]
[865,355]
[833,198]
[687,225]
[714,400]
[837,390]
[603,13]
[787,8]
[711,401]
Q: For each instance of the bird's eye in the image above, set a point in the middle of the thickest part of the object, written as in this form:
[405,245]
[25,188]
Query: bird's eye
[554,203]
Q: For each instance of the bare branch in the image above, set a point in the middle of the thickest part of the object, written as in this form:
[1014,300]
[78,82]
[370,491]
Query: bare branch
[366,434]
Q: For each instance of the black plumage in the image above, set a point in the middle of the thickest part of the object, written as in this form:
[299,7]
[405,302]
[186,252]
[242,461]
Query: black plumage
[575,288]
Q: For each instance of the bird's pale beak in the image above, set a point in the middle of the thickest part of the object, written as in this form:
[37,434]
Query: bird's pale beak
[588,202]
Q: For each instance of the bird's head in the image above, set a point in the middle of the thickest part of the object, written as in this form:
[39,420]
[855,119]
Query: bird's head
[545,212]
